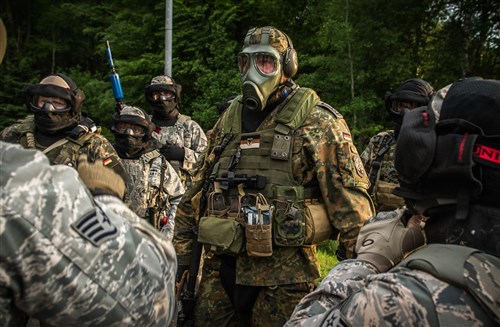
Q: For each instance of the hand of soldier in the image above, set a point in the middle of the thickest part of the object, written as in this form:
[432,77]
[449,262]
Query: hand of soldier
[100,179]
[384,241]
[172,152]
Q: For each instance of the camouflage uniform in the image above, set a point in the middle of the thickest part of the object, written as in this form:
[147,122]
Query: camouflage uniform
[188,134]
[145,174]
[96,146]
[324,156]
[355,294]
[385,177]
[55,270]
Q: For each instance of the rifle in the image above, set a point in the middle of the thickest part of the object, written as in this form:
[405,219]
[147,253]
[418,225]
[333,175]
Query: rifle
[114,78]
[188,295]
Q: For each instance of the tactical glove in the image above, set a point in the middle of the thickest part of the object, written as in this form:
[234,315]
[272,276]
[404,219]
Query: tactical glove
[384,241]
[173,152]
[100,179]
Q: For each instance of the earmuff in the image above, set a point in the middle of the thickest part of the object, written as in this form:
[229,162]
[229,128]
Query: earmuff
[290,61]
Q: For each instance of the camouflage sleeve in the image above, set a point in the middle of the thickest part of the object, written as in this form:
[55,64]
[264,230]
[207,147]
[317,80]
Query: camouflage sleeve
[353,294]
[194,147]
[367,155]
[332,156]
[174,192]
[70,259]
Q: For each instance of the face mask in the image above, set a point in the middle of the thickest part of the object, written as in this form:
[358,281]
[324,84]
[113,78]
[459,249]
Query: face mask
[50,122]
[164,109]
[129,147]
[260,72]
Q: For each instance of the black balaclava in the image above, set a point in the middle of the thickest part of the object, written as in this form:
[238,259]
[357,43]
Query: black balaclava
[414,90]
[164,111]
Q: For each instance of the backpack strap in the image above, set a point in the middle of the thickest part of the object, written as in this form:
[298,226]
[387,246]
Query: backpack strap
[447,262]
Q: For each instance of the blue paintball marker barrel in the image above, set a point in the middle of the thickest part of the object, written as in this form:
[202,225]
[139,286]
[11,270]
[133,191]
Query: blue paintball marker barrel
[115,80]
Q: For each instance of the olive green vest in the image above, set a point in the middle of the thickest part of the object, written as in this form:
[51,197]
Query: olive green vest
[267,152]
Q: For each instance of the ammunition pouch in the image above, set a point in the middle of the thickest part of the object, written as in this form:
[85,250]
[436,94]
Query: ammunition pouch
[221,235]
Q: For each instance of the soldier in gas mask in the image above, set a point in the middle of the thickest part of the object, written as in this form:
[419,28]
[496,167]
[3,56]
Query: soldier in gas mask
[281,161]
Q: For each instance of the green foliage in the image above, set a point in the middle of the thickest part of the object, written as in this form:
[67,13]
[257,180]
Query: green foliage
[350,52]
[326,257]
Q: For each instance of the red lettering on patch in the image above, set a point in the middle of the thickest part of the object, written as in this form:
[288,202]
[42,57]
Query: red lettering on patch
[486,153]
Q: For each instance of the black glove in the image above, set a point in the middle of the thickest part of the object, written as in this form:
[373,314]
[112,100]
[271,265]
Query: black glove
[172,152]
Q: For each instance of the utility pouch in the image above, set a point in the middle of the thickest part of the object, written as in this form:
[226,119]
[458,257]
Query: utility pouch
[258,227]
[220,235]
[290,220]
[299,222]
[220,232]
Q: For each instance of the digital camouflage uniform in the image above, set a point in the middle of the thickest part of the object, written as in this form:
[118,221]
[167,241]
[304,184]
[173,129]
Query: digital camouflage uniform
[55,269]
[355,294]
[385,177]
[96,146]
[188,134]
[143,186]
[324,156]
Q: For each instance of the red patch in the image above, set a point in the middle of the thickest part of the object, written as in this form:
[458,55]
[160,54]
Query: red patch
[107,161]
[347,136]
[158,130]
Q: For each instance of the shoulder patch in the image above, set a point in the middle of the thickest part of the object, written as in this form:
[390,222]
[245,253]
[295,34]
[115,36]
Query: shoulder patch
[330,109]
[95,227]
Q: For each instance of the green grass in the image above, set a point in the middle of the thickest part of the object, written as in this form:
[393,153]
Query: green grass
[326,257]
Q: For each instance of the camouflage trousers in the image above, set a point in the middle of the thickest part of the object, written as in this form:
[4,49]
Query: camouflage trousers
[273,307]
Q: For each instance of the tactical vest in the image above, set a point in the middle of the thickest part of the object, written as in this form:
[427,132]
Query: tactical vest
[257,167]
[63,152]
[382,174]
[447,263]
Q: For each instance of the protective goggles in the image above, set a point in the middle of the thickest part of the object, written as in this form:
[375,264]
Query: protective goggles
[49,104]
[163,96]
[127,129]
[265,63]
[399,107]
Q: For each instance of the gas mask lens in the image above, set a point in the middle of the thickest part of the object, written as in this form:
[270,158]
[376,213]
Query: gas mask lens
[243,60]
[129,129]
[265,63]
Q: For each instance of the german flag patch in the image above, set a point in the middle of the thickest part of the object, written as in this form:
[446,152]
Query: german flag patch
[107,161]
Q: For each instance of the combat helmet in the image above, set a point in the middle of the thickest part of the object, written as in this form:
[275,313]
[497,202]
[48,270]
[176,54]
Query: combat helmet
[136,116]
[162,83]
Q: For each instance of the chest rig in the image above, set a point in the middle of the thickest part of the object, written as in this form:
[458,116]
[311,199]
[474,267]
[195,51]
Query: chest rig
[254,184]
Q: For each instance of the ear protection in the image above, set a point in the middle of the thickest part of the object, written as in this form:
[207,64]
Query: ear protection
[290,61]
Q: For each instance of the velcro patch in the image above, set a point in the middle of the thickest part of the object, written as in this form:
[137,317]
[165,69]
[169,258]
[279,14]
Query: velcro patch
[252,142]
[95,227]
